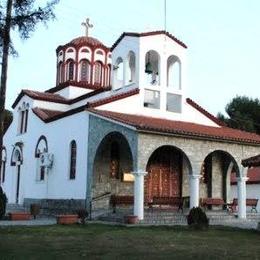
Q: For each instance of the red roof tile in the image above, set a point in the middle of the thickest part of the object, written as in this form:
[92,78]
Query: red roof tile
[134,34]
[40,96]
[252,161]
[112,98]
[180,128]
[205,112]
[253,175]
[45,114]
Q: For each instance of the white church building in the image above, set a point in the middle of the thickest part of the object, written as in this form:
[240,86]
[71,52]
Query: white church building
[118,122]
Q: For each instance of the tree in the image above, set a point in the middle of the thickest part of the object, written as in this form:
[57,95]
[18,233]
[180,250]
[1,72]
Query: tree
[243,113]
[8,118]
[22,15]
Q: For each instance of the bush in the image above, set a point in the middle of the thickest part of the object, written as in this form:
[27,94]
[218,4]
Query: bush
[82,214]
[35,209]
[3,201]
[197,218]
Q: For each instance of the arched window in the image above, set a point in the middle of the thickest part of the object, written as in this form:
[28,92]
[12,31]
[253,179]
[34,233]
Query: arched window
[60,76]
[131,67]
[70,70]
[41,147]
[174,72]
[73,159]
[118,73]
[3,166]
[152,60]
[84,70]
[98,73]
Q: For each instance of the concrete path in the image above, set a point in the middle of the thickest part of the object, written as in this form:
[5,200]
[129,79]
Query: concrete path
[42,221]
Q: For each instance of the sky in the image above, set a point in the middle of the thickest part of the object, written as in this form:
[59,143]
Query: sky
[223,38]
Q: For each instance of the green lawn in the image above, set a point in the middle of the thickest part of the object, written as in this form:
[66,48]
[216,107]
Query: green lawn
[115,242]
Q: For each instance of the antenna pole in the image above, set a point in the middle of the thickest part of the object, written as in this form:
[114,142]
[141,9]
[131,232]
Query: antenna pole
[165,13]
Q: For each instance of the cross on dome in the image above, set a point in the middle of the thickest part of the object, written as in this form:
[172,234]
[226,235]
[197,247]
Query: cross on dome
[87,25]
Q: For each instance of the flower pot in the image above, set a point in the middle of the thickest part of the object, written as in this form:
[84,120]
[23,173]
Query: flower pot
[131,219]
[67,219]
[20,216]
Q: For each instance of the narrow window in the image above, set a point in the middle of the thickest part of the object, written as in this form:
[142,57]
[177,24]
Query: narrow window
[73,158]
[3,166]
[26,120]
[98,73]
[42,172]
[152,99]
[70,71]
[84,72]
[22,122]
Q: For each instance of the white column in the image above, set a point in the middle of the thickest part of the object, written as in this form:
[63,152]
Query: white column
[139,194]
[194,190]
[241,192]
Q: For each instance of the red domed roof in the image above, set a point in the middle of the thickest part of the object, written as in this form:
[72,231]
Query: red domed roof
[86,40]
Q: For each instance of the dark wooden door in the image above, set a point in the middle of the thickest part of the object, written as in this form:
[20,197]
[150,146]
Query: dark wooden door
[162,181]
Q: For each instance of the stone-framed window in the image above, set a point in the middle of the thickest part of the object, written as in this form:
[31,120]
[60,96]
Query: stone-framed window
[73,160]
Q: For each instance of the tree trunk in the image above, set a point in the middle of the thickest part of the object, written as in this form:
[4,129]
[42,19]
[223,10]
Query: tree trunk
[6,45]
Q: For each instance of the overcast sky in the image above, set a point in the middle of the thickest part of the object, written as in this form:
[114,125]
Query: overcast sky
[223,38]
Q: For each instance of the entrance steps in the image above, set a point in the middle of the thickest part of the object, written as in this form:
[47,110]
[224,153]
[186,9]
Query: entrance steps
[12,207]
[166,217]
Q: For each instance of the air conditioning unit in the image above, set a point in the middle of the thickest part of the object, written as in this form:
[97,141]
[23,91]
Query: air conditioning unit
[46,160]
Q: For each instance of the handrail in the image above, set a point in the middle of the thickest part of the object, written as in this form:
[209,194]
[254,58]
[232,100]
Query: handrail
[99,197]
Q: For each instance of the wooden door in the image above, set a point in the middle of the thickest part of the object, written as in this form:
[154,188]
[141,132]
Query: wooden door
[162,181]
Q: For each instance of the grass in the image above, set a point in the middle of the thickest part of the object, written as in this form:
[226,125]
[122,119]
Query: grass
[115,242]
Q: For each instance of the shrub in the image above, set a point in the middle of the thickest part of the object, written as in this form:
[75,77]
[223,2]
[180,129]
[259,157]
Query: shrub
[3,201]
[197,218]
[82,214]
[35,210]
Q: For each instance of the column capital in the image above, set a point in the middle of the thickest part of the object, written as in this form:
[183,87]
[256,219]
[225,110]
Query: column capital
[139,173]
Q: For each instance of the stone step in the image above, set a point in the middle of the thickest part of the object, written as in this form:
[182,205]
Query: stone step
[15,208]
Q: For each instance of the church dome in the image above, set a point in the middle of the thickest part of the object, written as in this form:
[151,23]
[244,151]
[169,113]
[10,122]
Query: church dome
[86,40]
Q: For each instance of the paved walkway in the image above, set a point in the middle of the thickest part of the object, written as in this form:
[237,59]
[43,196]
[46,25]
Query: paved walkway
[42,221]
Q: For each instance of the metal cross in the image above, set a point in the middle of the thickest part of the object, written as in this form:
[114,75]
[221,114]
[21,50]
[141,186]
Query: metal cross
[87,25]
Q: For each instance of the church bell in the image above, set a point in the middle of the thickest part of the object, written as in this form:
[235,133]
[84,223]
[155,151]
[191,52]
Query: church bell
[148,68]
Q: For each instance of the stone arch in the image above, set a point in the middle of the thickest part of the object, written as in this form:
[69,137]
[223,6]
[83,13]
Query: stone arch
[113,158]
[216,173]
[41,146]
[168,170]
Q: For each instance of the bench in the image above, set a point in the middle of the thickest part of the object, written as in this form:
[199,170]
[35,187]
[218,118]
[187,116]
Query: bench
[205,202]
[167,201]
[116,200]
[249,202]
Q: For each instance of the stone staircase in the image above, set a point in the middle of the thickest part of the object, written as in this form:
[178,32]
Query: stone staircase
[169,217]
[15,208]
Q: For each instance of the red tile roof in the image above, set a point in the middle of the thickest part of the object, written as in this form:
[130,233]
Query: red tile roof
[134,34]
[45,114]
[40,96]
[252,161]
[253,175]
[180,128]
[75,84]
[56,98]
[205,112]
[113,97]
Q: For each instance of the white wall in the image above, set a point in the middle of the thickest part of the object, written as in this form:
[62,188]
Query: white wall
[59,134]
